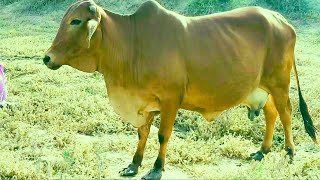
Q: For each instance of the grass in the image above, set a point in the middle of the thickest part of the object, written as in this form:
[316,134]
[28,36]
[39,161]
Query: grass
[61,125]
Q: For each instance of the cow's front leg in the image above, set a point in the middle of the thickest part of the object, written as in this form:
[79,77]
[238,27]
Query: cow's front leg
[168,115]
[143,133]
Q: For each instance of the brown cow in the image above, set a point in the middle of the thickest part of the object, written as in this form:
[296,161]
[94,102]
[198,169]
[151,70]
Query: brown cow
[157,61]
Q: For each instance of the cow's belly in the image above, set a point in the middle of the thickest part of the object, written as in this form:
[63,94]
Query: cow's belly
[132,107]
[210,108]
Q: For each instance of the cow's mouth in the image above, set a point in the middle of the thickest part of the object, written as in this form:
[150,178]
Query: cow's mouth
[54,67]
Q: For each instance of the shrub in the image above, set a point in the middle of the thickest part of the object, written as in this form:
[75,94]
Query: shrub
[202,7]
[288,7]
[6,2]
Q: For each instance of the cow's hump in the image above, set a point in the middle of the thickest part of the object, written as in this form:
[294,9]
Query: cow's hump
[149,7]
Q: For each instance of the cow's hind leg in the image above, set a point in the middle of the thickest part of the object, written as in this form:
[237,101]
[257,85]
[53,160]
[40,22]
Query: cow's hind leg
[270,113]
[283,105]
[143,133]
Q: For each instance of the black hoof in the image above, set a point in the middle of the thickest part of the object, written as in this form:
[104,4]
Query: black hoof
[154,173]
[258,156]
[131,170]
[290,153]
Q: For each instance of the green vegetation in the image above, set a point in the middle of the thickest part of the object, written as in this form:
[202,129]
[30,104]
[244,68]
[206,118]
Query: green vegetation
[60,123]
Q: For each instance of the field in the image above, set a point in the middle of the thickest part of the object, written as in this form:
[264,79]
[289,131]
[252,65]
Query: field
[60,125]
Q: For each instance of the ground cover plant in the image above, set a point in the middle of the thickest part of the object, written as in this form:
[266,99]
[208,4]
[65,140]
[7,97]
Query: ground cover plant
[60,124]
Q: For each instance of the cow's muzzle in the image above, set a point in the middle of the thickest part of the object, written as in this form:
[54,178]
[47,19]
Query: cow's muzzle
[47,61]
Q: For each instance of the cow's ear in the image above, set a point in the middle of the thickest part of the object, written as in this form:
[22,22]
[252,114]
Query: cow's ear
[92,26]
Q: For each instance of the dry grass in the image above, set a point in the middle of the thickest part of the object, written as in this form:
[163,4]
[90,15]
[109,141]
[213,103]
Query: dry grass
[60,124]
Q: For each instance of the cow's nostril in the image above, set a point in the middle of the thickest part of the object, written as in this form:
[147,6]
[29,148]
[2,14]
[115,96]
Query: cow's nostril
[46,59]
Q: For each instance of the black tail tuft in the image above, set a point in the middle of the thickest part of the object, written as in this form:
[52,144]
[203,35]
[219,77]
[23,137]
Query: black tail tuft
[308,124]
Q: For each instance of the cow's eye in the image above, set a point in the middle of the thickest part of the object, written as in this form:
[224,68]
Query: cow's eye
[75,22]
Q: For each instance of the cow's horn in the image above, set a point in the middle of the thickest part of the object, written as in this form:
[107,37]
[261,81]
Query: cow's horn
[92,26]
[93,9]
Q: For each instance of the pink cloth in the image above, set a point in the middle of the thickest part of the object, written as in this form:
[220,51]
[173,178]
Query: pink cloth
[3,89]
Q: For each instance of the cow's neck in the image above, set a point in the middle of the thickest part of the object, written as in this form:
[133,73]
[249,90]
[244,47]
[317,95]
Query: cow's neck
[119,48]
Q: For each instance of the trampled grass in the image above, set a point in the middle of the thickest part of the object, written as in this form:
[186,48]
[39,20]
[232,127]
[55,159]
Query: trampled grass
[60,123]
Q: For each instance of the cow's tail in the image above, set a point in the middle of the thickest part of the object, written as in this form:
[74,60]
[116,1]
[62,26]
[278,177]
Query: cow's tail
[307,121]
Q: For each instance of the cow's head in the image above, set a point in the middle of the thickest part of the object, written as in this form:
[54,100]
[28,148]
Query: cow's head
[78,38]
